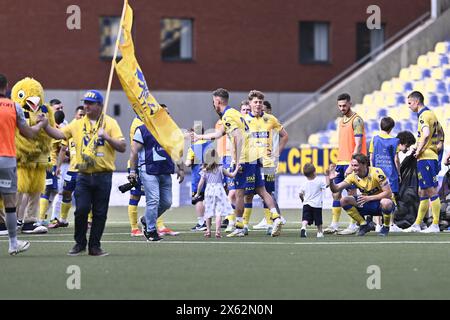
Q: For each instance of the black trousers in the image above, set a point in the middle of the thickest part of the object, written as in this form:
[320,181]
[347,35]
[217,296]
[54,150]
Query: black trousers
[91,192]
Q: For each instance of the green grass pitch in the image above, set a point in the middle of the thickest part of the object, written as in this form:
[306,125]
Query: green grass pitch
[255,267]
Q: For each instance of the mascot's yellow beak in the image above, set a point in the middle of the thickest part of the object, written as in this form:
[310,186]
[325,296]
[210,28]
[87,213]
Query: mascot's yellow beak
[33,102]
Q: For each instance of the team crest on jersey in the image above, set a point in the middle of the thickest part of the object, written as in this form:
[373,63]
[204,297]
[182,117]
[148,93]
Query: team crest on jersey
[265,119]
[228,124]
[421,121]
[381,177]
[428,168]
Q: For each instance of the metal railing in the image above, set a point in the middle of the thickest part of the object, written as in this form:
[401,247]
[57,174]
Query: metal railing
[288,117]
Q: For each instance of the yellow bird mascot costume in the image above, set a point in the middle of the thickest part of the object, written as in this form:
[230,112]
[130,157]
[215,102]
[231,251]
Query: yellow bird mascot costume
[32,154]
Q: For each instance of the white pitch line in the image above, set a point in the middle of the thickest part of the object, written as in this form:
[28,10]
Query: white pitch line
[250,243]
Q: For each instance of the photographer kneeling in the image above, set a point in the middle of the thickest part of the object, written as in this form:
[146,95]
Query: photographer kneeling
[155,169]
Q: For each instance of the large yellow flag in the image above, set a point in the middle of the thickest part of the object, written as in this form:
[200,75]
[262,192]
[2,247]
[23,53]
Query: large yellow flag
[155,118]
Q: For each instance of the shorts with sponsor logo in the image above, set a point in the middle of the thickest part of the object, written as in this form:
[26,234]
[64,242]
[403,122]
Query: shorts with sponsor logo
[372,208]
[269,182]
[340,170]
[8,180]
[70,181]
[138,190]
[249,177]
[51,180]
[427,173]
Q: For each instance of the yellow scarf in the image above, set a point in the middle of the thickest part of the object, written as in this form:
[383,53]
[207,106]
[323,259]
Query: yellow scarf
[89,143]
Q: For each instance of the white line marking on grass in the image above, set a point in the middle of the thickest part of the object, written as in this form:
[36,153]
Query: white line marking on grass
[251,242]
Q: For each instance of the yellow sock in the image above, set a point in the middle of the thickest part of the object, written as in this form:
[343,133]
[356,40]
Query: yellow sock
[132,216]
[65,207]
[268,216]
[239,224]
[435,209]
[423,209]
[160,223]
[43,206]
[386,219]
[90,216]
[247,213]
[354,213]
[336,211]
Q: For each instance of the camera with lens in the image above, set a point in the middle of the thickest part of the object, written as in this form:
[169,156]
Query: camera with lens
[128,186]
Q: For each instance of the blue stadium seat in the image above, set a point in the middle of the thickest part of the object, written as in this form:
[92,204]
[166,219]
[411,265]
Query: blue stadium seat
[400,99]
[445,99]
[408,126]
[331,126]
[366,127]
[408,86]
[382,113]
[426,73]
[441,88]
[447,73]
[433,100]
[373,126]
[324,139]
[444,60]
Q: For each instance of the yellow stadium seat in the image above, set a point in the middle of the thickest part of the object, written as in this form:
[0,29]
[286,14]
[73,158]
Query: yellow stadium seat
[437,73]
[441,48]
[404,74]
[422,61]
[359,108]
[387,87]
[415,72]
[394,113]
[334,138]
[313,139]
[404,113]
[434,59]
[439,112]
[419,86]
[430,85]
[379,99]
[389,99]
[397,85]
[371,113]
[368,100]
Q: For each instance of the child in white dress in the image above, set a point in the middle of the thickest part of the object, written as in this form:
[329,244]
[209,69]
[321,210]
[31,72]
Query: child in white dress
[216,201]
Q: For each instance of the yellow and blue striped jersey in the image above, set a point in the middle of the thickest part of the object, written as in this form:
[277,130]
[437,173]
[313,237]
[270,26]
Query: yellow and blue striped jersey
[427,118]
[234,120]
[262,131]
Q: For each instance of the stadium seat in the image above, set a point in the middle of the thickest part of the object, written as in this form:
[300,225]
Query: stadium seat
[415,72]
[426,73]
[382,113]
[419,86]
[430,85]
[441,87]
[408,126]
[373,126]
[404,74]
[331,125]
[408,86]
[446,73]
[387,87]
[445,99]
[324,138]
[378,99]
[432,100]
[368,100]
[437,73]
[400,99]
[439,112]
[442,47]
[313,139]
[390,99]
[334,138]
[422,61]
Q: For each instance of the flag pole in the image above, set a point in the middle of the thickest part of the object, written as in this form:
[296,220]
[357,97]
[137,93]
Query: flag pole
[111,73]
